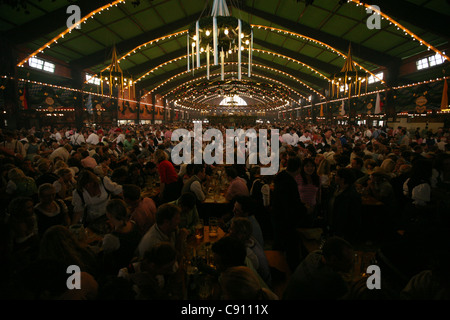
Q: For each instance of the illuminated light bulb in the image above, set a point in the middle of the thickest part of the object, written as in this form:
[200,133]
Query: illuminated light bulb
[225,31]
[208,33]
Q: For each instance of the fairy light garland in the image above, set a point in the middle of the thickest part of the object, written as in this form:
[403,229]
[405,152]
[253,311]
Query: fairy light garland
[265,67]
[204,98]
[204,77]
[227,73]
[399,26]
[270,79]
[319,43]
[69,30]
[258,50]
[176,34]
[63,88]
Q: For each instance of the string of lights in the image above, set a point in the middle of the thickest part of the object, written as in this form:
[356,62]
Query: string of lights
[69,30]
[401,27]
[232,63]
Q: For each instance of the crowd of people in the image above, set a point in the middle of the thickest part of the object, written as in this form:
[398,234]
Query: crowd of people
[57,183]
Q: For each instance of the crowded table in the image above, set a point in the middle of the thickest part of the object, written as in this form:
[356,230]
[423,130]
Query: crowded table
[334,181]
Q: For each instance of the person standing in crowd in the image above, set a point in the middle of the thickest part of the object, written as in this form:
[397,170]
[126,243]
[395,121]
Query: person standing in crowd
[345,208]
[169,185]
[289,212]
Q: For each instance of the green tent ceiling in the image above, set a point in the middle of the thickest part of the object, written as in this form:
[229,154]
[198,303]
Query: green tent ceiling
[131,23]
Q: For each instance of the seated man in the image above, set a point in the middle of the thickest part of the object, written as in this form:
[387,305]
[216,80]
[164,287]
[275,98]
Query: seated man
[319,275]
[237,187]
[142,210]
[231,252]
[189,213]
[194,183]
[168,217]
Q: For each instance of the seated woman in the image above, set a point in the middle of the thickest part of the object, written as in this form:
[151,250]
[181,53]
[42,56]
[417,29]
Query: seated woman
[90,198]
[119,245]
[50,211]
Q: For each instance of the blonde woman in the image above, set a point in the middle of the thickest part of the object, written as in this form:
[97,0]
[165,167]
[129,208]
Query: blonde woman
[90,197]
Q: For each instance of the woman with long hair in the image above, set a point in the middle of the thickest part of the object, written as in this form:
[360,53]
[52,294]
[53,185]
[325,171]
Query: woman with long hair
[308,182]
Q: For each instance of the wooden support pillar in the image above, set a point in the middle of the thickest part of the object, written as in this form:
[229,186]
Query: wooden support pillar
[77,83]
[10,92]
[138,106]
[153,107]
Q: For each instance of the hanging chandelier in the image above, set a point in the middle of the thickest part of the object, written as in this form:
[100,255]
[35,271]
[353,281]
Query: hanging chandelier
[219,36]
[349,79]
[113,77]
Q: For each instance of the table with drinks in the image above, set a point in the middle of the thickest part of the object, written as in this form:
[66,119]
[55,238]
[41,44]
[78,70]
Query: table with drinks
[199,260]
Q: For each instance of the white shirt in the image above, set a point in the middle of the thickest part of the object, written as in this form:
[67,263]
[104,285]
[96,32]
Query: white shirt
[76,139]
[96,205]
[295,139]
[60,152]
[287,138]
[306,140]
[93,139]
[421,194]
[197,189]
[120,138]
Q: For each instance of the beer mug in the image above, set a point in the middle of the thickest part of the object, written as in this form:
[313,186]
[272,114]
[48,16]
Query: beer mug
[199,229]
[213,226]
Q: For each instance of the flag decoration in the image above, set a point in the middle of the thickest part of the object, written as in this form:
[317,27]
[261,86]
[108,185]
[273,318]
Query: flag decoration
[444,101]
[342,108]
[24,97]
[378,104]
[89,108]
